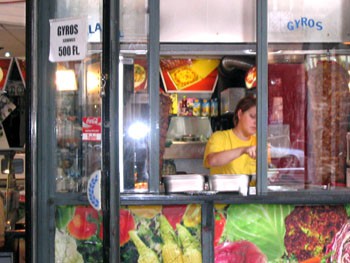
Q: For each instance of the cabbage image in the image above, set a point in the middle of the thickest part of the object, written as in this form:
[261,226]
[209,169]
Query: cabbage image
[339,249]
[66,249]
[261,224]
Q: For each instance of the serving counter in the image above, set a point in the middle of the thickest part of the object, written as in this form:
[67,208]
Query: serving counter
[297,198]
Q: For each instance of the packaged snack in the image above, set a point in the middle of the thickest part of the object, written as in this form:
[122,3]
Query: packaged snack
[214,107]
[196,108]
[205,108]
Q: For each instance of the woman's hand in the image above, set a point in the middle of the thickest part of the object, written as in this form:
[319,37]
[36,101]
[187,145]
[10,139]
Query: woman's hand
[251,151]
[224,157]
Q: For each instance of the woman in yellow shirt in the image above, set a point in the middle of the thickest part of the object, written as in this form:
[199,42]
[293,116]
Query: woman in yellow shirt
[233,151]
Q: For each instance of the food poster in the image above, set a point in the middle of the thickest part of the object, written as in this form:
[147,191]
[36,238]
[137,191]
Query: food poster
[152,233]
[140,75]
[281,233]
[243,233]
[21,64]
[189,75]
[161,234]
[5,67]
[78,236]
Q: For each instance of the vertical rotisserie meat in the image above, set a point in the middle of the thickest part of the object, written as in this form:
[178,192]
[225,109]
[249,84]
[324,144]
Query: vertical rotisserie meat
[328,110]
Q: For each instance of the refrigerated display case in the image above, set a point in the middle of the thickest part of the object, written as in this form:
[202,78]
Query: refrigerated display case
[101,137]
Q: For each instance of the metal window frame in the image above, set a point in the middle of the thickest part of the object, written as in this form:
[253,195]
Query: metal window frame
[39,135]
[262,95]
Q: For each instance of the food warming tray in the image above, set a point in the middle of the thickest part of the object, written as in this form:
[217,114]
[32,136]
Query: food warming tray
[184,183]
[229,183]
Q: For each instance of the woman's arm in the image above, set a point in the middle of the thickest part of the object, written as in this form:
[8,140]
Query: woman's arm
[224,157]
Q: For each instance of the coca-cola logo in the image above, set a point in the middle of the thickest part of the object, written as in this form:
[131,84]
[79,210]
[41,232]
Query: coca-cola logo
[92,129]
[93,121]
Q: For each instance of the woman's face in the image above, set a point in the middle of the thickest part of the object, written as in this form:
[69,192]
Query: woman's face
[247,121]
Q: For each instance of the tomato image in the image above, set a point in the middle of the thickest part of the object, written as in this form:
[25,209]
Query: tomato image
[220,222]
[126,223]
[174,213]
[100,233]
[84,223]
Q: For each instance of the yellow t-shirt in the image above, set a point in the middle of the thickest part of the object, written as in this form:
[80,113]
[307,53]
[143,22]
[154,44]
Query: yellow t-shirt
[227,140]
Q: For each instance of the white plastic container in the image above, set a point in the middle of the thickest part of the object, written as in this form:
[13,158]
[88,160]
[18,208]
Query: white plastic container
[180,183]
[229,183]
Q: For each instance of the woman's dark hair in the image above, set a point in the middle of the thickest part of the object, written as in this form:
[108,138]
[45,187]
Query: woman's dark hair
[244,104]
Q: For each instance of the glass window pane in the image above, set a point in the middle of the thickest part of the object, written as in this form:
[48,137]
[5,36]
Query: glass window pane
[136,109]
[78,123]
[77,85]
[210,21]
[78,104]
[133,21]
[308,95]
[134,96]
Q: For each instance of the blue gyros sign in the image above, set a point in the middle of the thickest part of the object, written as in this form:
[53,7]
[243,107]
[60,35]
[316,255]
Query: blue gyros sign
[304,23]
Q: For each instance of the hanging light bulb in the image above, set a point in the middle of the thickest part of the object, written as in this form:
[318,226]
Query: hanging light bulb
[65,80]
[93,82]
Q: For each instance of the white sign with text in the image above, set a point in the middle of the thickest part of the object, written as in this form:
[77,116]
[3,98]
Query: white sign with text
[68,39]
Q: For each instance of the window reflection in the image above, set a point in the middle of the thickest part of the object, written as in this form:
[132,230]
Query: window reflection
[136,120]
[78,123]
[308,120]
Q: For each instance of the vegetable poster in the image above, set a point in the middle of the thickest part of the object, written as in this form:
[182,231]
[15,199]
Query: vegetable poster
[255,233]
[147,234]
[78,235]
[162,234]
[281,233]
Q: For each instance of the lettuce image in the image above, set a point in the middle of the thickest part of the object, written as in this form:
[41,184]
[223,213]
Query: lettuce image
[260,224]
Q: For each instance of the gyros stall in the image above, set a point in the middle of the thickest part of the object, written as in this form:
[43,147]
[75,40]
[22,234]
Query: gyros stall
[133,119]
